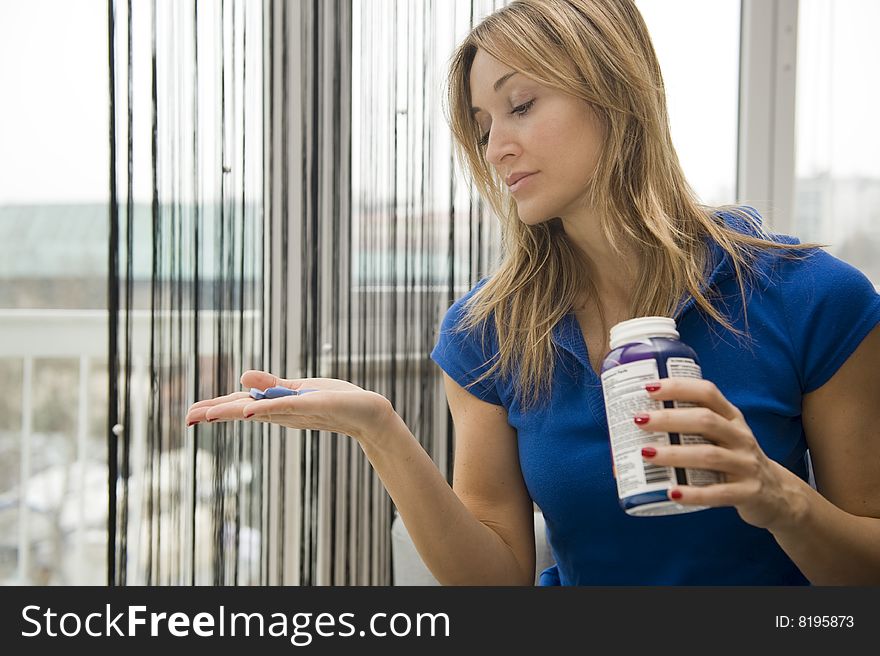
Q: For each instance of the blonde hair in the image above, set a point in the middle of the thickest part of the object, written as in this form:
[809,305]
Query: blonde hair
[600,52]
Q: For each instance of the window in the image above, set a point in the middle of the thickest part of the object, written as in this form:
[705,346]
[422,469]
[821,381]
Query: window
[53,290]
[837,185]
[697,43]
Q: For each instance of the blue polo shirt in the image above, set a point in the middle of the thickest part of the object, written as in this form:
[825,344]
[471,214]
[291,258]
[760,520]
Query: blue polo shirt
[805,318]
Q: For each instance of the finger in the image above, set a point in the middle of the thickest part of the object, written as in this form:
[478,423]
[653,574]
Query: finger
[219,411]
[220,399]
[264,380]
[261,379]
[691,421]
[721,494]
[693,390]
[228,411]
[700,456]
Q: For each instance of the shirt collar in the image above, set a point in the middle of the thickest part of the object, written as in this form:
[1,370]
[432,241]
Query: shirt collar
[567,335]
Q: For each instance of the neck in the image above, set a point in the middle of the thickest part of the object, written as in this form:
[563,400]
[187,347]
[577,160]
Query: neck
[614,274]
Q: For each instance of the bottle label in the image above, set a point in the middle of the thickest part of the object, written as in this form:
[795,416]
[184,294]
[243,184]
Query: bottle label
[687,368]
[625,396]
[683,368]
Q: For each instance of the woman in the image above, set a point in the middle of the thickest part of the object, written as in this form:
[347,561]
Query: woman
[558,111]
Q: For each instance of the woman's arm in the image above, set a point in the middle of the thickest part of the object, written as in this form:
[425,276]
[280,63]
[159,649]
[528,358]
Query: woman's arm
[483,532]
[482,536]
[833,537]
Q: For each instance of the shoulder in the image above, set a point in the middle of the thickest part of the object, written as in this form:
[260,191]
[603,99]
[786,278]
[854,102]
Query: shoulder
[457,312]
[459,334]
[466,353]
[825,305]
[746,220]
[810,268]
[815,274]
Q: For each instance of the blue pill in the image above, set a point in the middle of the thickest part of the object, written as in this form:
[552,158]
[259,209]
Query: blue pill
[278,392]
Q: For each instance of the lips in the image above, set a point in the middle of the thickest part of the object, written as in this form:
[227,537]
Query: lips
[513,178]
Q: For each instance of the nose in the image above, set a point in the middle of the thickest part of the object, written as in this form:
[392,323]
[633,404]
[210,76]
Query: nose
[501,144]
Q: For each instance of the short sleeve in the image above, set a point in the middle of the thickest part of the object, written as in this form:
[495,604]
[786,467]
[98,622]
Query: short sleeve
[467,355]
[830,307]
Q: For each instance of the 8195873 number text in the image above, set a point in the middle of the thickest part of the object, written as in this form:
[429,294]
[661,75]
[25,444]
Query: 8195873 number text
[814,622]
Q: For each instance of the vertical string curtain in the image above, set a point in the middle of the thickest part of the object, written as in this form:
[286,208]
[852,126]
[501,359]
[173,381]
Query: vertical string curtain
[283,197]
[186,279]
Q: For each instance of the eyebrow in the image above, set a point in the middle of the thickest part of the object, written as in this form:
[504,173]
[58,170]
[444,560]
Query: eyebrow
[498,84]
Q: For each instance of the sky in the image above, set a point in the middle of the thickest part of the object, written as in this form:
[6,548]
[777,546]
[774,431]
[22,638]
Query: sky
[54,118]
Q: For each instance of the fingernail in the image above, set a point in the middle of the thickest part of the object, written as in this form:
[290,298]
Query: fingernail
[192,423]
[649,452]
[652,387]
[214,419]
[641,419]
[249,415]
[675,494]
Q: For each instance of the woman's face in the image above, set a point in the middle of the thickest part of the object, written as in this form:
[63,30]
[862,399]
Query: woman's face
[531,129]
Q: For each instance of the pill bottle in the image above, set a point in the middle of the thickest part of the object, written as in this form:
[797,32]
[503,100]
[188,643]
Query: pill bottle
[643,350]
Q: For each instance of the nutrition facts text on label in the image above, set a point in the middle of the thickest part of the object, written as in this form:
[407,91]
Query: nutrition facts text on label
[625,397]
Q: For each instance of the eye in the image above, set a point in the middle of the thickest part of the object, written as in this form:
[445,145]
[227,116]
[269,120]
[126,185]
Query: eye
[521,110]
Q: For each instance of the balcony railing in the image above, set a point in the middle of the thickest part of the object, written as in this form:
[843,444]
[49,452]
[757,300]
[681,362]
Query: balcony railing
[53,519]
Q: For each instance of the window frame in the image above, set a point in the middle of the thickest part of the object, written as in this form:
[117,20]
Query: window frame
[767,106]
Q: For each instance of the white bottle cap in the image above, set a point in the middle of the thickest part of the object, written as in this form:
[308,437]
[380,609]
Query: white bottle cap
[642,328]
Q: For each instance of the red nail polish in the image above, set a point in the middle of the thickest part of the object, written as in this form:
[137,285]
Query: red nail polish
[652,387]
[649,451]
[675,494]
[192,423]
[214,419]
[248,416]
[641,419]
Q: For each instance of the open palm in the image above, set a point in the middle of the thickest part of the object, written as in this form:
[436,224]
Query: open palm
[336,405]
